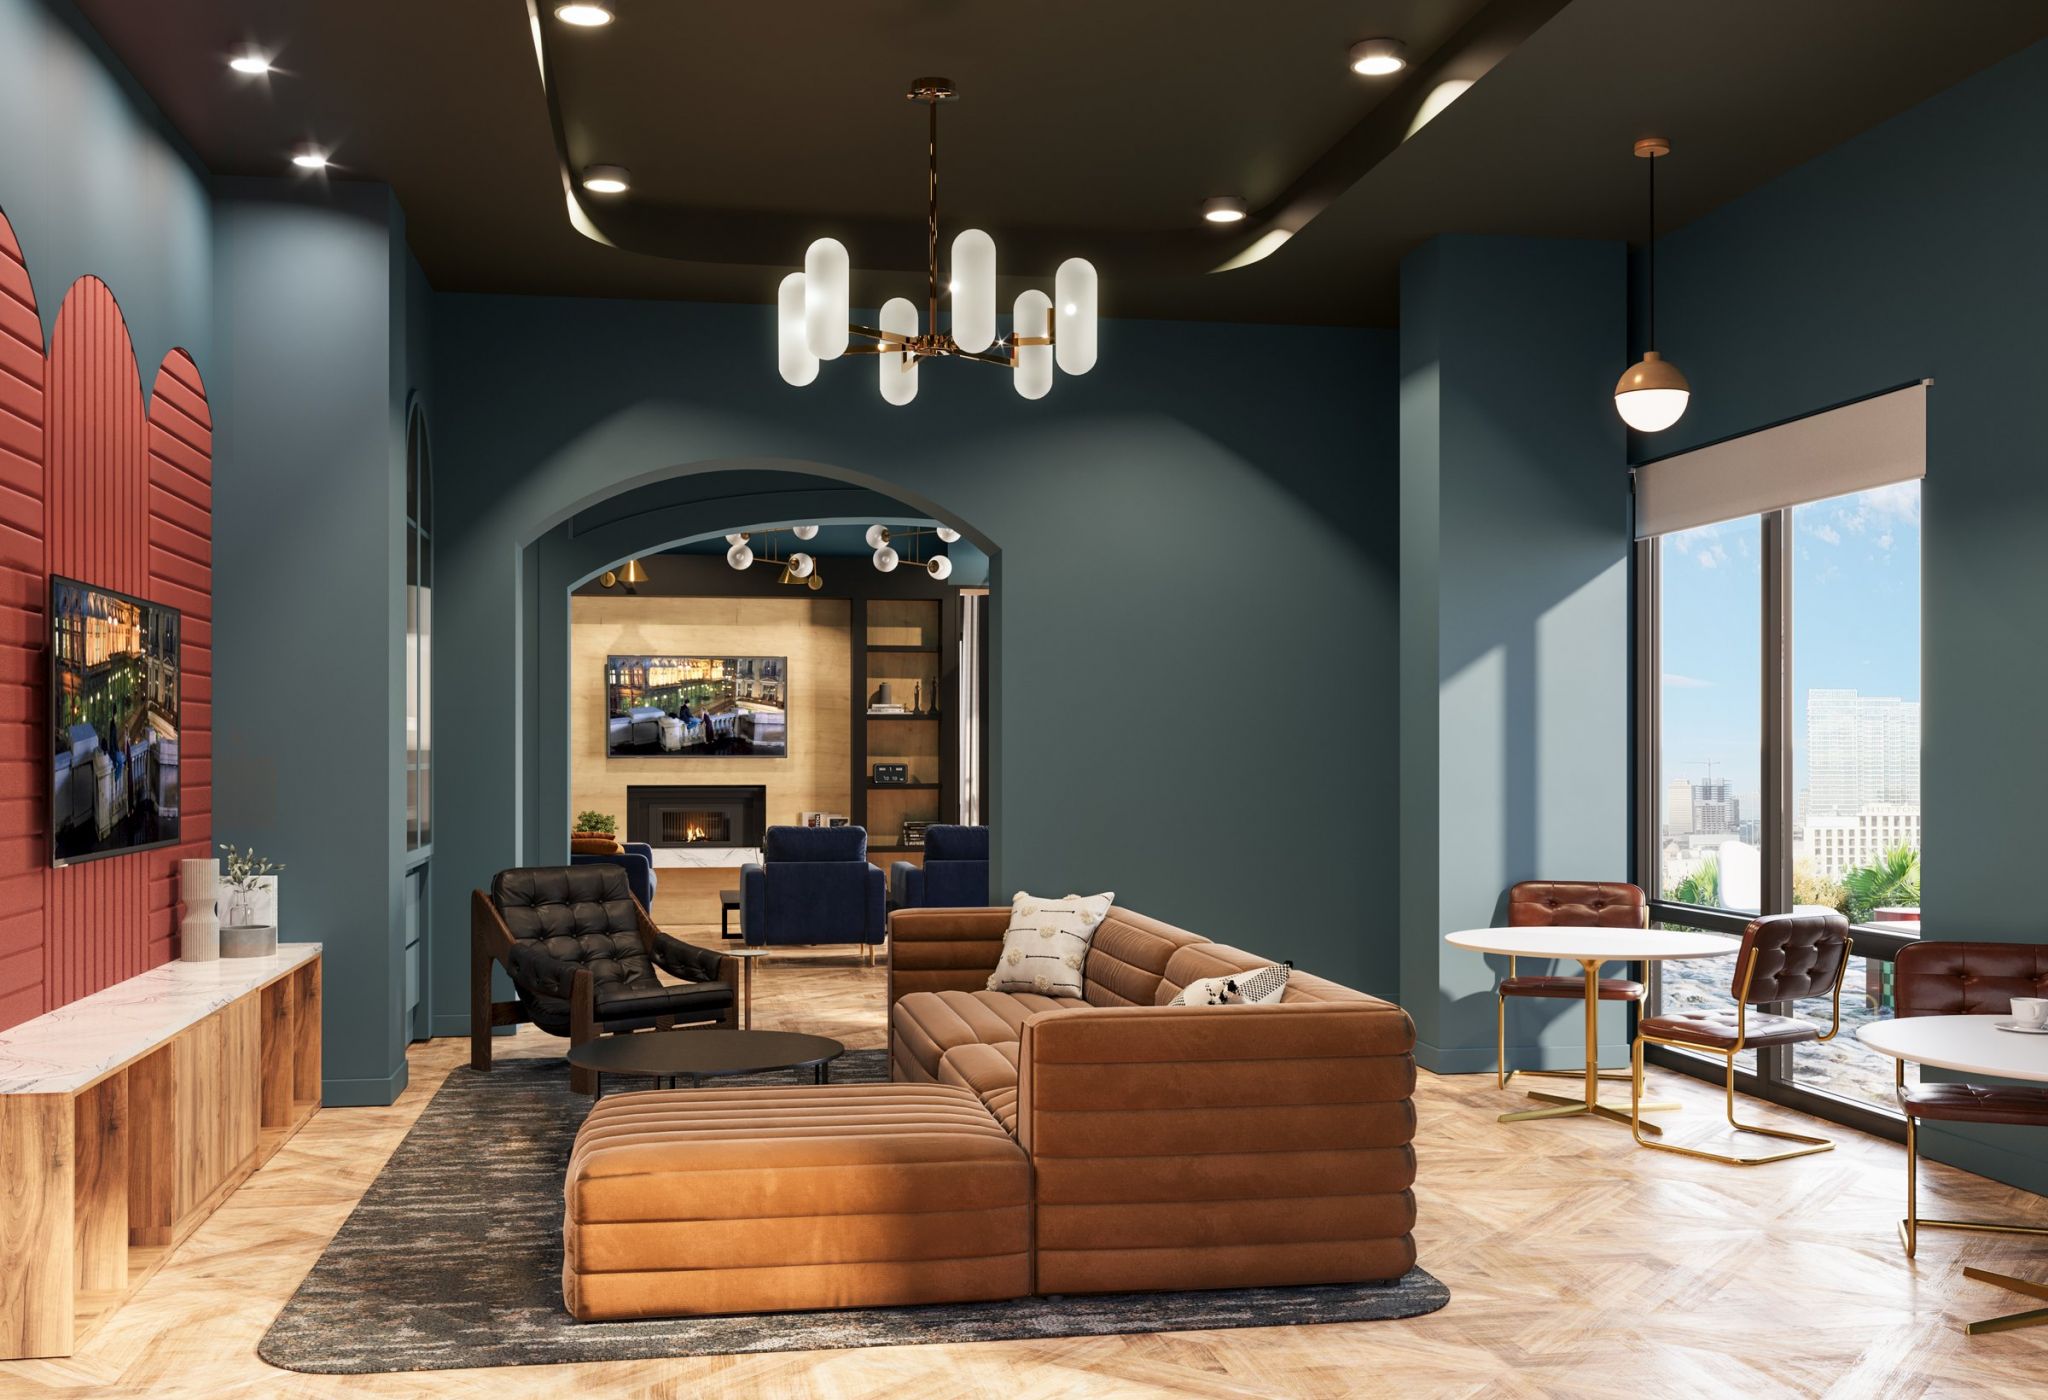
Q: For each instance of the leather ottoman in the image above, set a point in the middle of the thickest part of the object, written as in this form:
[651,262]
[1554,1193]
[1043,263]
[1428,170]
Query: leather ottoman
[769,1200]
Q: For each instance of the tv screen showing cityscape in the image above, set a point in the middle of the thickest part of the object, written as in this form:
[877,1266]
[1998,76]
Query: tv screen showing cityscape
[114,723]
[696,706]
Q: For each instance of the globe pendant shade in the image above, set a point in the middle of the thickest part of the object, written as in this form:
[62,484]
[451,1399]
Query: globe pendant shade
[1652,395]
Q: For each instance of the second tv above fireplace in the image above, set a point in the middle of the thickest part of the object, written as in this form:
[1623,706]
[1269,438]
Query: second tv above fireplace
[696,706]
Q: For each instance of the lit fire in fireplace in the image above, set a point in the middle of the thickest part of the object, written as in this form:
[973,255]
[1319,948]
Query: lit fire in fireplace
[693,832]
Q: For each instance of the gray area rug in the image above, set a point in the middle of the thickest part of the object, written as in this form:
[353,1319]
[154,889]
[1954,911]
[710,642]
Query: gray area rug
[453,1258]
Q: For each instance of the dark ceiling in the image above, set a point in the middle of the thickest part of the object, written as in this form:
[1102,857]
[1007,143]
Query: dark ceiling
[1085,127]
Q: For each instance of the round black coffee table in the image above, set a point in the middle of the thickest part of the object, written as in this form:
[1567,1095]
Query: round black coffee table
[708,1054]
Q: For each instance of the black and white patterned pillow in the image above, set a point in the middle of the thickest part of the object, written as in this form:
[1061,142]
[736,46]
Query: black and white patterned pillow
[1046,945]
[1260,987]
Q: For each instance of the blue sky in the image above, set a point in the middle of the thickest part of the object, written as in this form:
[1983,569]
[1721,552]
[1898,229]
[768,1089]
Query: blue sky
[1855,625]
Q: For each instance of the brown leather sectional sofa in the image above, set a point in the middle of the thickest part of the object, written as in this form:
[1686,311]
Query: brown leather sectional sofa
[1027,1144]
[1172,1147]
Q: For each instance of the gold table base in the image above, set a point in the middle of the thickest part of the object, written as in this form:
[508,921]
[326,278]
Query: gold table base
[1565,1106]
[1589,1104]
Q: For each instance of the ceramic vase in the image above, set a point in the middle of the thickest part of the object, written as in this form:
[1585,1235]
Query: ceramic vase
[199,931]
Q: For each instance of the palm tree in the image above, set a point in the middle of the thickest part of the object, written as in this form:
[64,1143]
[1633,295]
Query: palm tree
[1894,878]
[1703,886]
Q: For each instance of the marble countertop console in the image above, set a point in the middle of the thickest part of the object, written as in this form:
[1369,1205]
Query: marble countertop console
[63,1051]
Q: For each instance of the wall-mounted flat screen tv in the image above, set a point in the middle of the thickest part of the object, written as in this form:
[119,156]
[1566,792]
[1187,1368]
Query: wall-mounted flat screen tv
[114,685]
[696,706]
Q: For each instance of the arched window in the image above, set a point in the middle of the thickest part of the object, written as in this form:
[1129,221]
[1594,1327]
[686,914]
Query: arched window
[419,633]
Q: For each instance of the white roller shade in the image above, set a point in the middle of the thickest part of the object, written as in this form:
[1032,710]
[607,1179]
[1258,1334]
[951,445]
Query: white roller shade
[1872,442]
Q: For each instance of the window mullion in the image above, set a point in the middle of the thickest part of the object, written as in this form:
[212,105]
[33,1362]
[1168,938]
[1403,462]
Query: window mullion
[1774,1064]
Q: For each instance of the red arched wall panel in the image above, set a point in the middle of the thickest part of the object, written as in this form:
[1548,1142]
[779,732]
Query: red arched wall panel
[24,684]
[92,487]
[181,575]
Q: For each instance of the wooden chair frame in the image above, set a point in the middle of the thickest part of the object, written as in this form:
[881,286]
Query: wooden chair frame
[490,942]
[1810,1144]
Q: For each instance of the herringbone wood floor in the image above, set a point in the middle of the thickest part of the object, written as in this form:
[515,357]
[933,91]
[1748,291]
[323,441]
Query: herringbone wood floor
[1578,1266]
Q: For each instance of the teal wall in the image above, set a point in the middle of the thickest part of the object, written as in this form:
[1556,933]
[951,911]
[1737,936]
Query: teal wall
[316,326]
[96,183]
[1513,619]
[1915,250]
[1214,501]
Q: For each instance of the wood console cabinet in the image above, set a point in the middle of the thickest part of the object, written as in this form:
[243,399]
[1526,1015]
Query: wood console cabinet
[127,1116]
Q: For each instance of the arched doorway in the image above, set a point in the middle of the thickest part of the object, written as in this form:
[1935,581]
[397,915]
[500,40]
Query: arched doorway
[912,647]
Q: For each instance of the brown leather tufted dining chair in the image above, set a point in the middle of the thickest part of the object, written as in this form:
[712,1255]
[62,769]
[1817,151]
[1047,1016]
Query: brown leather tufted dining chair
[1964,979]
[1571,903]
[1783,957]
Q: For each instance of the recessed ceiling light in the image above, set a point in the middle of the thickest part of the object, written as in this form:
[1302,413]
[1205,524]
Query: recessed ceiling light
[587,16]
[1376,58]
[309,157]
[251,61]
[1224,209]
[607,179]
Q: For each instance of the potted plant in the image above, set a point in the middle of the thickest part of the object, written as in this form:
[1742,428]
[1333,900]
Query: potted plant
[595,833]
[250,929]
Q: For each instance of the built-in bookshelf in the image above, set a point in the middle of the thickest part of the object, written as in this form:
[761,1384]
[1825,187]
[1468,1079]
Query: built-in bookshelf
[903,660]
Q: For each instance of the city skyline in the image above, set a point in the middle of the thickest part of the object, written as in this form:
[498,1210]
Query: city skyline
[1856,626]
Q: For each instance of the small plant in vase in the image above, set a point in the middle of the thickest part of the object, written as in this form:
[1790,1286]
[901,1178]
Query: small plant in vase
[596,824]
[250,929]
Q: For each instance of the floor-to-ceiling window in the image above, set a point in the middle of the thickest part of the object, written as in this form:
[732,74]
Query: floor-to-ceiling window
[1779,711]
[1855,722]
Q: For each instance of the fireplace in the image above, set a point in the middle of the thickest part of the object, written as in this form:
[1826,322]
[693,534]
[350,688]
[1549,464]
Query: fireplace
[697,814]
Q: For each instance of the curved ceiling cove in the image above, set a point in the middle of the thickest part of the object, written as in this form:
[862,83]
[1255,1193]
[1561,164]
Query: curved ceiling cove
[1087,129]
[1298,170]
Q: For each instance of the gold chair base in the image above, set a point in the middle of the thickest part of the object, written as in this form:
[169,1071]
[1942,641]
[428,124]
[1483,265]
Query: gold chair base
[1910,1226]
[1809,1145]
[2011,1322]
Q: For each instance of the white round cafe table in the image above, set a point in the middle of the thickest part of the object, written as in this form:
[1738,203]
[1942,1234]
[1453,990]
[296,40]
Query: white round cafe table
[1972,1045]
[1589,947]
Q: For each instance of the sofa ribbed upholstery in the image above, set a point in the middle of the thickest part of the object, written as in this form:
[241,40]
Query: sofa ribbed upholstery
[1173,1147]
[753,1200]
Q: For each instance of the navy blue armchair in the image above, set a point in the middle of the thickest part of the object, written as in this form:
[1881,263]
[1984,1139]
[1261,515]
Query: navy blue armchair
[638,861]
[815,886]
[954,874]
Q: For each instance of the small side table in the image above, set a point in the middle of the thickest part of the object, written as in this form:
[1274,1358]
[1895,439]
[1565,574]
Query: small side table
[746,958]
[728,900]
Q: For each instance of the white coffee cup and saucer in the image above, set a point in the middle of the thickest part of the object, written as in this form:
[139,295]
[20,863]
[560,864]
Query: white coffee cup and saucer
[2029,1016]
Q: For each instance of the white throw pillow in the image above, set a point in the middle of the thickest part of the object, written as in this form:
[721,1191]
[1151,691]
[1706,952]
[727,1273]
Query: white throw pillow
[1047,943]
[1259,987]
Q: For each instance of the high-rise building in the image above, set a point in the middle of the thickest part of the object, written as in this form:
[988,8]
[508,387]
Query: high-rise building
[1715,810]
[1861,750]
[1678,808]
[1834,845]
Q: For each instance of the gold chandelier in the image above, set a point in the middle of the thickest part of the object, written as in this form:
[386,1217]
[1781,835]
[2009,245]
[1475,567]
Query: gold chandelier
[813,307]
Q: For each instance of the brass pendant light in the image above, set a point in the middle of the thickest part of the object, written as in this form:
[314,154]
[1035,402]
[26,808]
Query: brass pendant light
[632,574]
[1653,394]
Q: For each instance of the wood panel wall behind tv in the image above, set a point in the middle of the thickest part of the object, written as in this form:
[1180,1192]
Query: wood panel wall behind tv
[97,487]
